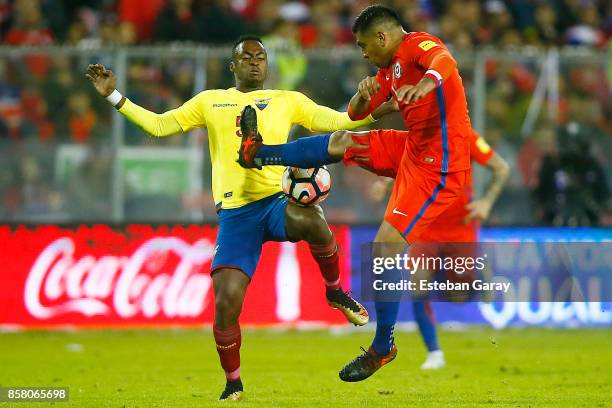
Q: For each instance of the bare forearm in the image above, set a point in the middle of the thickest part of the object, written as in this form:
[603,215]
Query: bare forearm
[358,107]
[501,172]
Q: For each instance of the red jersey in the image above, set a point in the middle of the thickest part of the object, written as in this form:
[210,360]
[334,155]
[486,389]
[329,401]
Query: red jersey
[439,124]
[450,226]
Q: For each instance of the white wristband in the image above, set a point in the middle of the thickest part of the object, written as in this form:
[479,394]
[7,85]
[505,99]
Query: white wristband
[114,98]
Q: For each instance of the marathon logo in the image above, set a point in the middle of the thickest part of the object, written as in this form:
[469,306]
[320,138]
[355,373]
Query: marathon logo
[224,105]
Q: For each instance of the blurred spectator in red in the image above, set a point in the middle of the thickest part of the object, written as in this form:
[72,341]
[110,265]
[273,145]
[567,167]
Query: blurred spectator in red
[29,28]
[249,9]
[35,112]
[142,14]
[82,123]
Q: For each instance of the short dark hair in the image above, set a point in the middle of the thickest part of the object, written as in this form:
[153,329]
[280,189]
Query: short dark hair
[372,15]
[242,39]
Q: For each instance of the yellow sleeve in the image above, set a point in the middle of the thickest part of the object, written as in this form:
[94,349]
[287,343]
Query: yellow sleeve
[191,114]
[321,118]
[188,116]
[151,122]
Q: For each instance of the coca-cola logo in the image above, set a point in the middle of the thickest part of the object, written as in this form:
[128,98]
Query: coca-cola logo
[164,276]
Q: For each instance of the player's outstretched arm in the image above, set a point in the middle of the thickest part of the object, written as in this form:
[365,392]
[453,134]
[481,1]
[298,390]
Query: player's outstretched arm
[480,209]
[156,125]
[321,118]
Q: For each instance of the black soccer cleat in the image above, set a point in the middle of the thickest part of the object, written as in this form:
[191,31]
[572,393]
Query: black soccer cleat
[233,391]
[366,364]
[251,139]
[353,310]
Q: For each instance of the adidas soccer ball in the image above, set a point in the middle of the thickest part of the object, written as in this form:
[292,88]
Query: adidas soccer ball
[306,187]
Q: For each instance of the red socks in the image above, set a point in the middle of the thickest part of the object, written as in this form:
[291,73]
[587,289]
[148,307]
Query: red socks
[228,342]
[328,259]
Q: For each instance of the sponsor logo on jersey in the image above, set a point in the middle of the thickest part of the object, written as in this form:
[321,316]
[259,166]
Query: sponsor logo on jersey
[224,105]
[228,194]
[427,45]
[396,211]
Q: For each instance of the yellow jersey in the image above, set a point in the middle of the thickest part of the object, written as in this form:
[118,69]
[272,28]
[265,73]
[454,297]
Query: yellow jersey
[277,111]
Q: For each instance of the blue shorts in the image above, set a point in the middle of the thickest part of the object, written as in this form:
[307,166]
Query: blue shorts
[243,230]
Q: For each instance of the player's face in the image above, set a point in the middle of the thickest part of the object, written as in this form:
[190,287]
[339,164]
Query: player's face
[374,48]
[250,63]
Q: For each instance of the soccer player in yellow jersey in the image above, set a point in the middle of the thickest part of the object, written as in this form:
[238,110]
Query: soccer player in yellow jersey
[252,209]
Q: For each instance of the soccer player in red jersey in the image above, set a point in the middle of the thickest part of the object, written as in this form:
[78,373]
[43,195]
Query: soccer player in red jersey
[459,223]
[430,161]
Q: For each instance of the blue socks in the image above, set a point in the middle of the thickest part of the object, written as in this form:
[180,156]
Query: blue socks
[304,153]
[423,314]
[386,316]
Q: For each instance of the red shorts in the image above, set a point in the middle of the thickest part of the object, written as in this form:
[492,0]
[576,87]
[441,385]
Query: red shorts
[420,193]
[445,229]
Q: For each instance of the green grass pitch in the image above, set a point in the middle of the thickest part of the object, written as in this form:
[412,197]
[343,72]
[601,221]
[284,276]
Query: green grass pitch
[180,368]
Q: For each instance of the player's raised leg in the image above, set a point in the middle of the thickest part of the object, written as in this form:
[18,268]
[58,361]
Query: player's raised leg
[230,287]
[383,349]
[424,317]
[309,224]
[306,152]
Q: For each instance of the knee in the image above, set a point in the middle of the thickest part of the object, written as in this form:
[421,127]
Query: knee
[228,305]
[307,224]
[338,142]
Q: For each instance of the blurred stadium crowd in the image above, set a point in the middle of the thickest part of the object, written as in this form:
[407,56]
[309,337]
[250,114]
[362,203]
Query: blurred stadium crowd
[562,164]
[312,23]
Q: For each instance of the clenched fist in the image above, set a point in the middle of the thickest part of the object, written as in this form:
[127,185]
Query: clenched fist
[368,87]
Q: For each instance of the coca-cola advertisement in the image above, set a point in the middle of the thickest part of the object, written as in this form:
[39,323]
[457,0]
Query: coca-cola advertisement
[139,275]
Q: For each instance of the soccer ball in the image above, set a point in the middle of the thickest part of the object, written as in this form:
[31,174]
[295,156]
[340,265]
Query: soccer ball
[306,187]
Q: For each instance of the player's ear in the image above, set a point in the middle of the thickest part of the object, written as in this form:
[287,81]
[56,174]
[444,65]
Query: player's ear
[381,39]
[232,66]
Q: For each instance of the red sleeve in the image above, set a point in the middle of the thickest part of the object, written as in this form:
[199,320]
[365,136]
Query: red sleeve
[378,99]
[480,151]
[430,53]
